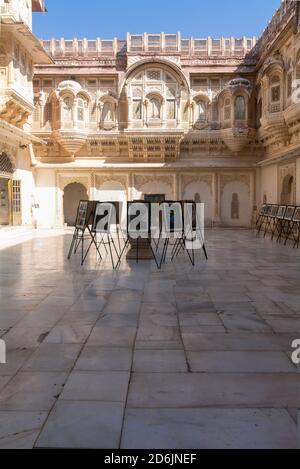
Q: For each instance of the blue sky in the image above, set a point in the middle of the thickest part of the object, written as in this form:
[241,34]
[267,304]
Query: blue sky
[113,18]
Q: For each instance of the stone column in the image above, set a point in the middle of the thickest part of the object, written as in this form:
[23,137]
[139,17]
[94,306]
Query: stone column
[298,180]
[216,200]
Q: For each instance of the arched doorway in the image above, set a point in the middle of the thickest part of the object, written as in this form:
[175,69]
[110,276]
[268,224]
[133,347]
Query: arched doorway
[287,190]
[6,174]
[73,193]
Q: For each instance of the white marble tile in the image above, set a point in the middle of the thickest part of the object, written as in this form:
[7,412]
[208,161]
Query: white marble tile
[214,389]
[107,336]
[208,429]
[83,425]
[153,361]
[240,362]
[96,386]
[104,359]
[32,391]
[69,334]
[53,357]
[19,430]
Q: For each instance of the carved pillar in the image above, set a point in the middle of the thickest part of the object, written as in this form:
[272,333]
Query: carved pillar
[216,200]
[177,195]
[298,180]
[130,187]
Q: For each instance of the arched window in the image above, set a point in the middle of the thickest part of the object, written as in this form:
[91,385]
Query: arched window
[259,112]
[137,109]
[155,108]
[80,110]
[107,112]
[197,198]
[275,89]
[235,207]
[287,190]
[37,110]
[240,108]
[201,114]
[48,112]
[227,109]
[171,109]
[67,110]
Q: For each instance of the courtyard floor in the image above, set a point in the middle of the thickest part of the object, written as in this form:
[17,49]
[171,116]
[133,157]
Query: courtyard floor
[140,358]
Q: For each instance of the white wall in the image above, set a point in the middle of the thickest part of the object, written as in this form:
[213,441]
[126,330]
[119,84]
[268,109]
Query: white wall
[154,187]
[112,191]
[46,197]
[269,184]
[25,175]
[243,192]
[204,190]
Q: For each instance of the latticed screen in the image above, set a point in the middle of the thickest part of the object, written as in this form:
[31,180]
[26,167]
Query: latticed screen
[5,164]
[16,196]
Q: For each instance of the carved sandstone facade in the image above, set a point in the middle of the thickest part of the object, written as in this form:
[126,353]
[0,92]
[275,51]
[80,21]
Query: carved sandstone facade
[214,120]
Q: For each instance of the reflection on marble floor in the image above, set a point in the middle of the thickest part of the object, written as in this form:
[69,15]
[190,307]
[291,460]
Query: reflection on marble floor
[179,358]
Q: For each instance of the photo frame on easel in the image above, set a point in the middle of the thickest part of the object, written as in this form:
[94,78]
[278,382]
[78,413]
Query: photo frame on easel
[290,210]
[82,213]
[296,217]
[281,212]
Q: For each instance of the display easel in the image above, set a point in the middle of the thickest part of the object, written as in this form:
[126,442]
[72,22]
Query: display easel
[140,243]
[82,232]
[106,239]
[190,233]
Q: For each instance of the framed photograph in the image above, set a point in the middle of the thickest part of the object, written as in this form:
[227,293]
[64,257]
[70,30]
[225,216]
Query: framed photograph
[273,211]
[134,209]
[281,211]
[106,212]
[263,209]
[82,212]
[296,217]
[289,213]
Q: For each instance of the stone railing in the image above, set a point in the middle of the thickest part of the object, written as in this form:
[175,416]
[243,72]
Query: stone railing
[150,44]
[281,18]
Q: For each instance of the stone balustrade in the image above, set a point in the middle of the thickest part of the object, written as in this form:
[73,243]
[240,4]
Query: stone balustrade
[149,44]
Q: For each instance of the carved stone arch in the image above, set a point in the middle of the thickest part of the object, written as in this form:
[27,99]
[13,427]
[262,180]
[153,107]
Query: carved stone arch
[155,94]
[107,98]
[103,102]
[85,95]
[228,178]
[67,94]
[140,180]
[275,62]
[64,181]
[188,179]
[3,56]
[222,95]
[167,65]
[69,85]
[201,97]
[101,179]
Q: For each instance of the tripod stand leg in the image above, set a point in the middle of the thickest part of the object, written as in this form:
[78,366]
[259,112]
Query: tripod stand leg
[110,250]
[72,244]
[88,250]
[205,251]
[121,255]
[153,253]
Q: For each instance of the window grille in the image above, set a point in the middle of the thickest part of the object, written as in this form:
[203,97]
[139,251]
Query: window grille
[16,196]
[5,164]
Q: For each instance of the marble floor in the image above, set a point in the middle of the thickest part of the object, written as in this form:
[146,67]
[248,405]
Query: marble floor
[179,358]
